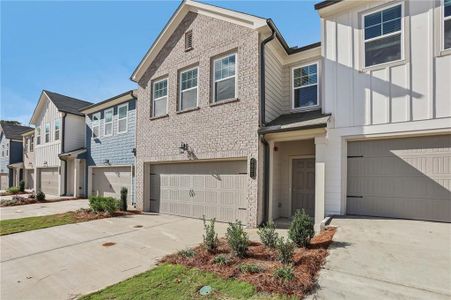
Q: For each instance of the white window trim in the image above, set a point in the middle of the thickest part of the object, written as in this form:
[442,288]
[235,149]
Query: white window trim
[45,133]
[31,143]
[105,122]
[95,124]
[59,130]
[156,99]
[38,136]
[401,31]
[189,89]
[124,118]
[442,26]
[222,79]
[311,107]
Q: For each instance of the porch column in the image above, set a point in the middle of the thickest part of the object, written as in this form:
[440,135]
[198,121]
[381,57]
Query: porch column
[76,177]
[271,181]
[320,180]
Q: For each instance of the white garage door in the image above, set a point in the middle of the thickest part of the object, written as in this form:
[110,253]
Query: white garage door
[49,180]
[401,178]
[109,181]
[214,189]
[4,182]
[29,179]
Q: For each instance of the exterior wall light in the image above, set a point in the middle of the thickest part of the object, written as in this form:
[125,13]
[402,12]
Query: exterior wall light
[106,162]
[183,148]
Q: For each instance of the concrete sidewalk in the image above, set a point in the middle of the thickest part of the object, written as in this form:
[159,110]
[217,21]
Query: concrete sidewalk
[41,209]
[377,258]
[64,262]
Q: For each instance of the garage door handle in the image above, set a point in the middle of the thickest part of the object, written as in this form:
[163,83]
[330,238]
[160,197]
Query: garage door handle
[242,208]
[350,196]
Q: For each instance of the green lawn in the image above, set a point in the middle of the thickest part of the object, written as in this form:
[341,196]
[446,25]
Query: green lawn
[32,223]
[176,282]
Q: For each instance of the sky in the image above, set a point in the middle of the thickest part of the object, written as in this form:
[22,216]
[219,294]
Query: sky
[88,50]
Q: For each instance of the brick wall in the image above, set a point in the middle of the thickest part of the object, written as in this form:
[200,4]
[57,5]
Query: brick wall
[228,130]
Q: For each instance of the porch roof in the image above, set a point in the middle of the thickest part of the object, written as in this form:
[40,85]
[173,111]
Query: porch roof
[296,121]
[78,153]
[18,165]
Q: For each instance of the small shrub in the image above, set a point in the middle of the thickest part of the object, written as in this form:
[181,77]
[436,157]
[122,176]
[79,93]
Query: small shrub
[221,260]
[124,192]
[103,204]
[237,239]
[268,235]
[250,268]
[22,186]
[285,250]
[13,190]
[284,273]
[187,253]
[210,237]
[40,196]
[301,229]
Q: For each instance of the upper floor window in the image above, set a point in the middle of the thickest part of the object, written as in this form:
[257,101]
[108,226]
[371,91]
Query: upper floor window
[47,132]
[31,144]
[188,89]
[122,118]
[95,125]
[57,129]
[38,135]
[160,98]
[108,122]
[224,72]
[305,86]
[383,36]
[447,24]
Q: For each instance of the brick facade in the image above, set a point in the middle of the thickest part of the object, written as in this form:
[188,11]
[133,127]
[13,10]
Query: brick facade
[227,130]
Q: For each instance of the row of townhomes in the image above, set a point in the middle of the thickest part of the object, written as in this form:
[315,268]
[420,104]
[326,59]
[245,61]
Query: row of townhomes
[230,122]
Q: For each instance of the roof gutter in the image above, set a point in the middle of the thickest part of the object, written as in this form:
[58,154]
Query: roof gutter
[263,122]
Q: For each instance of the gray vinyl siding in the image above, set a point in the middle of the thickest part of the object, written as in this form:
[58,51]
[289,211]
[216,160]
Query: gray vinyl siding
[116,148]
[16,152]
[274,74]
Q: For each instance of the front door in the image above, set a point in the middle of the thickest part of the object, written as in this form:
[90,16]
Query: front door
[303,185]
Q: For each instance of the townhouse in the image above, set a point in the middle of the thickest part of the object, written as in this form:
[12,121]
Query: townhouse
[233,123]
[110,145]
[59,148]
[11,160]
[28,158]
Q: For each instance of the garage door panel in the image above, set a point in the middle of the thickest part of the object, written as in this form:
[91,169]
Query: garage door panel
[108,181]
[404,178]
[213,194]
[49,180]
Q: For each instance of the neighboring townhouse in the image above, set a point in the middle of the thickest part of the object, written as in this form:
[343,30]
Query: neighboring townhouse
[110,144]
[11,161]
[232,123]
[28,158]
[59,148]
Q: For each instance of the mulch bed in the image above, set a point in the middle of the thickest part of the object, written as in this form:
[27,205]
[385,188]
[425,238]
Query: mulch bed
[306,265]
[83,215]
[18,200]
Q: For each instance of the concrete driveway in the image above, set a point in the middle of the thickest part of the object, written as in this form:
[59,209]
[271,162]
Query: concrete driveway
[376,258]
[64,262]
[41,209]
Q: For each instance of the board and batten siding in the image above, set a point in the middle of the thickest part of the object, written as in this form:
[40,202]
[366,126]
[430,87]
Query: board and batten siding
[415,89]
[47,152]
[74,133]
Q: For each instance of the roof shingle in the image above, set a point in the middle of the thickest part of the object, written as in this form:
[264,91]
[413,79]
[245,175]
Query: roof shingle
[14,132]
[67,104]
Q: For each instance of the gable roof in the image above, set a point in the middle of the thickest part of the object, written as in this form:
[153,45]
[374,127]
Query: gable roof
[326,3]
[184,8]
[63,103]
[67,104]
[14,132]
[115,100]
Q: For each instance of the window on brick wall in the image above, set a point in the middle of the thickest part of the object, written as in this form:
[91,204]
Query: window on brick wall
[224,72]
[160,98]
[188,89]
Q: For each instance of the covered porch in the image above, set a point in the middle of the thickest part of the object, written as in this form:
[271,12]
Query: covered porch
[296,166]
[17,172]
[74,169]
